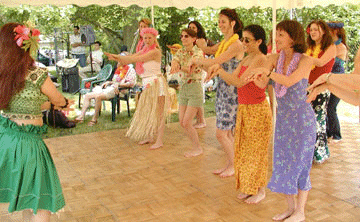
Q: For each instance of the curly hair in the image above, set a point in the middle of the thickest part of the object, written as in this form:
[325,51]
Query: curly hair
[326,39]
[15,63]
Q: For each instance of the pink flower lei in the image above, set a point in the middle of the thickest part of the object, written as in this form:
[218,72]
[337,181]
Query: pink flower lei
[27,37]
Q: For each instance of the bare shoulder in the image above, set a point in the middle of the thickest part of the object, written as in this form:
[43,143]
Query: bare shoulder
[341,48]
[273,58]
[261,57]
[236,45]
[306,59]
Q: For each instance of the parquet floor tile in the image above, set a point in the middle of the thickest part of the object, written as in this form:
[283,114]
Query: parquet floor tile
[106,177]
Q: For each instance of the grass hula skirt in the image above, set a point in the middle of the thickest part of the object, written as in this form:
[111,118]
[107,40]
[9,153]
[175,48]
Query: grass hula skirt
[145,123]
[28,175]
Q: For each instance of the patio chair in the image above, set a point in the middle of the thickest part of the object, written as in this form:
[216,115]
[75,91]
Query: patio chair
[115,102]
[103,75]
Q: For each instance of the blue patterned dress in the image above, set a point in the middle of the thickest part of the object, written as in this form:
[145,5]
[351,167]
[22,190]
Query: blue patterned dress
[295,135]
[226,101]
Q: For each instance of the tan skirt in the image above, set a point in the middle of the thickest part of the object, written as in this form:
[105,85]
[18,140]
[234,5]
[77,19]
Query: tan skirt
[252,137]
[147,117]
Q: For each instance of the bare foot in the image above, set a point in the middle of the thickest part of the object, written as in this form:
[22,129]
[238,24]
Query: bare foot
[199,125]
[228,172]
[145,142]
[194,152]
[284,215]
[218,171]
[242,196]
[156,146]
[296,217]
[255,198]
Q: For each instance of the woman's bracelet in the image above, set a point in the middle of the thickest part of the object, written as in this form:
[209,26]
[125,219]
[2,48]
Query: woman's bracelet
[66,103]
[328,77]
[269,74]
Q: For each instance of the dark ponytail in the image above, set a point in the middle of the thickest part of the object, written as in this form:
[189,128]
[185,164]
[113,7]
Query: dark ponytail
[263,48]
[259,33]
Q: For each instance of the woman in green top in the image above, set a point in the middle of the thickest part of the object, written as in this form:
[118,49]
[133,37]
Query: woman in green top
[28,175]
[191,92]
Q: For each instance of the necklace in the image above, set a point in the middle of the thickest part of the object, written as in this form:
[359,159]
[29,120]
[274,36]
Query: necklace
[314,53]
[224,45]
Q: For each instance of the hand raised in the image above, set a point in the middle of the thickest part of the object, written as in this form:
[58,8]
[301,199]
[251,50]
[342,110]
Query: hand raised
[212,72]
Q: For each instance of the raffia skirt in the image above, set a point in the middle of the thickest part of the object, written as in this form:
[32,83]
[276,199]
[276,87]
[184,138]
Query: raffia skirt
[28,177]
[146,120]
[252,137]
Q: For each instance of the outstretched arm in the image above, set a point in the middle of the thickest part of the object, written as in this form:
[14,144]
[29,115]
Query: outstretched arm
[151,55]
[234,79]
[230,53]
[302,71]
[329,54]
[349,96]
[209,50]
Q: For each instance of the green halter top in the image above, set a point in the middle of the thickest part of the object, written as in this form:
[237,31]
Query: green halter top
[26,104]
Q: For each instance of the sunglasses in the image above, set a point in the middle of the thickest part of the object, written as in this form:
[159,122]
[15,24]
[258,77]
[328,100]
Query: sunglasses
[246,40]
[184,36]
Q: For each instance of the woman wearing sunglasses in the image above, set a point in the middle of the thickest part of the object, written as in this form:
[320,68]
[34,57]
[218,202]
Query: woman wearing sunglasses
[226,95]
[191,92]
[254,121]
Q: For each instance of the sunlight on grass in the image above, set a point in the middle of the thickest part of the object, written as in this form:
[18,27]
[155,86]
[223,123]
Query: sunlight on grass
[104,122]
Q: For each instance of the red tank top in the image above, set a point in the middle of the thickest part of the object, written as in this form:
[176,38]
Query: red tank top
[318,71]
[250,93]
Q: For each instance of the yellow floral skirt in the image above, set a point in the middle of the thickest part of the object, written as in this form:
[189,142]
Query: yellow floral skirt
[252,137]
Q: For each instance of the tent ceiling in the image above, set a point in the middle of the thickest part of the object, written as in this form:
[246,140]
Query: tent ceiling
[181,4]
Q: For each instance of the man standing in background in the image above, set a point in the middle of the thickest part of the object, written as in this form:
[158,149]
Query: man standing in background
[78,48]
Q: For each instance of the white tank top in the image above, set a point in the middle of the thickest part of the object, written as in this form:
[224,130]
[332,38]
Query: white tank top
[151,68]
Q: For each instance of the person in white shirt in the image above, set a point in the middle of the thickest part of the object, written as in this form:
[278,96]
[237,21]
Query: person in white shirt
[124,77]
[78,48]
[97,60]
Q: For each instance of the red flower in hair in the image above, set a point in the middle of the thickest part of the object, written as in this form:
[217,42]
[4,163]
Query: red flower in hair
[308,30]
[35,32]
[27,37]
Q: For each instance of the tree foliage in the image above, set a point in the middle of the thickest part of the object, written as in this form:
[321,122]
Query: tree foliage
[115,25]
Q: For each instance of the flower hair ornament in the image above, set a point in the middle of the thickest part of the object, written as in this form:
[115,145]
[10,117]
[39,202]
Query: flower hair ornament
[149,31]
[335,25]
[27,37]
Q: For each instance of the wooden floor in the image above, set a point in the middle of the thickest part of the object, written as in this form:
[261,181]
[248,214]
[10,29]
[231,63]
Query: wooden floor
[107,177]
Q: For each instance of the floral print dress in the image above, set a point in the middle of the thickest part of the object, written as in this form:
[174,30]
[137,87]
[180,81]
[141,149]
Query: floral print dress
[226,101]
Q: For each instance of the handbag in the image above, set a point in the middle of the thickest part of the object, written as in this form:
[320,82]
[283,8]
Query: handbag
[56,118]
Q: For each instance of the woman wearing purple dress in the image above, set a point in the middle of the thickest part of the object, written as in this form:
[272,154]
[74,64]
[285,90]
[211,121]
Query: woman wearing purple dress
[295,130]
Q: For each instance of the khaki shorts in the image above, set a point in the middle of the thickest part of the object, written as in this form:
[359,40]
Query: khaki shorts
[191,94]
[109,91]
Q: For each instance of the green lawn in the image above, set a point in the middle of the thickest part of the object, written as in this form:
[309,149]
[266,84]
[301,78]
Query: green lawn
[105,123]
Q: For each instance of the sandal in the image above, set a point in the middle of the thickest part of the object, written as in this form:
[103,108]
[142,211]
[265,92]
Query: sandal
[78,120]
[92,123]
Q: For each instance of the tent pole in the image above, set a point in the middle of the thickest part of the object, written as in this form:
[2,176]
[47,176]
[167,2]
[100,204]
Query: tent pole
[152,15]
[273,97]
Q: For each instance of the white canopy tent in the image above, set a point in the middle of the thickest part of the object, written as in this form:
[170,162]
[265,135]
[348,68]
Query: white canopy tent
[182,4]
